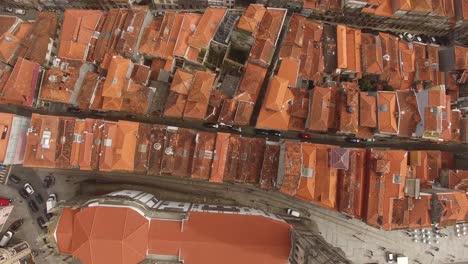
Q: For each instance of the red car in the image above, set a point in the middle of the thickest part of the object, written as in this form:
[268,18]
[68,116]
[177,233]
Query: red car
[6,201]
[304,136]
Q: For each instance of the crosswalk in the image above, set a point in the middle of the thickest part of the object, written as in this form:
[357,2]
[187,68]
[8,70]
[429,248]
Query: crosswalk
[4,173]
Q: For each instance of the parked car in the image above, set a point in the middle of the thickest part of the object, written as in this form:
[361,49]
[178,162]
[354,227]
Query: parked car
[268,132]
[352,140]
[131,116]
[6,201]
[6,238]
[304,135]
[235,128]
[74,110]
[98,113]
[369,139]
[293,212]
[3,167]
[48,181]
[211,125]
[19,11]
[28,188]
[15,226]
[261,132]
[15,179]
[33,206]
[39,199]
[9,9]
[40,222]
[23,193]
[51,202]
[390,257]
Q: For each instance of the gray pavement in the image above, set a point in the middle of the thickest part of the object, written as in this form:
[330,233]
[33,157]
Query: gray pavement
[354,237]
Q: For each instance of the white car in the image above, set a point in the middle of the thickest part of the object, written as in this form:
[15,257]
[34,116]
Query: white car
[20,11]
[28,188]
[6,238]
[292,212]
[51,202]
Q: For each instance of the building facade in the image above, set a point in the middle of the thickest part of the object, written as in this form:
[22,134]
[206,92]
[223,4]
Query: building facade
[17,254]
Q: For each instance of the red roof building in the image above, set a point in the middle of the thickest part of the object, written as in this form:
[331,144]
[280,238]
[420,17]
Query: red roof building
[203,155]
[367,110]
[13,138]
[220,157]
[322,109]
[388,118]
[349,49]
[372,58]
[349,108]
[391,60]
[270,165]
[199,95]
[86,146]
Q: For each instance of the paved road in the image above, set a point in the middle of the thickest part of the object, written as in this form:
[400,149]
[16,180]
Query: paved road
[352,236]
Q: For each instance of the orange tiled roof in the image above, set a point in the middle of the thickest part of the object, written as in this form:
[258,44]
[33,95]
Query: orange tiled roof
[437,97]
[59,83]
[152,36]
[292,164]
[270,164]
[372,54]
[321,107]
[367,110]
[203,155]
[182,82]
[189,24]
[252,80]
[175,105]
[251,18]
[391,62]
[220,157]
[10,42]
[262,52]
[409,114]
[124,145]
[116,80]
[270,25]
[274,113]
[21,85]
[306,189]
[299,109]
[461,54]
[349,108]
[349,48]
[78,29]
[85,150]
[199,94]
[289,70]
[387,108]
[109,34]
[132,27]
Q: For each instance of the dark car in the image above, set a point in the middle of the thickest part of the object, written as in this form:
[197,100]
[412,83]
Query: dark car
[261,132]
[268,132]
[15,179]
[23,193]
[352,140]
[40,222]
[16,225]
[74,110]
[39,199]
[131,116]
[33,206]
[304,136]
[211,125]
[48,181]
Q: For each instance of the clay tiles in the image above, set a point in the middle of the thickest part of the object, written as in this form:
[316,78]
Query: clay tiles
[307,186]
[351,185]
[204,32]
[7,24]
[372,58]
[322,109]
[199,94]
[426,166]
[349,108]
[86,146]
[251,18]
[388,112]
[11,39]
[49,142]
[349,52]
[326,179]
[220,157]
[183,152]
[274,113]
[180,87]
[289,70]
[409,114]
[391,63]
[262,52]
[59,82]
[6,121]
[456,179]
[203,155]
[270,165]
[454,208]
[110,33]
[115,83]
[127,43]
[303,41]
[152,35]
[35,46]
[119,146]
[461,57]
[21,85]
[156,149]
[299,109]
[339,158]
[386,185]
[78,30]
[407,68]
[292,164]
[270,25]
[244,162]
[367,110]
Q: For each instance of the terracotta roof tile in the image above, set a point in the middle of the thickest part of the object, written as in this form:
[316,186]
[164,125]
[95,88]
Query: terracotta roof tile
[251,18]
[289,70]
[116,79]
[372,54]
[262,52]
[175,105]
[78,28]
[35,46]
[183,152]
[252,80]
[461,56]
[367,110]
[7,23]
[10,42]
[21,85]
[349,108]
[270,166]
[292,167]
[109,34]
[85,148]
[387,108]
[6,122]
[203,155]
[349,48]
[199,94]
[306,190]
[326,180]
[270,25]
[182,82]
[220,157]
[188,27]
[127,43]
[156,150]
[321,107]
[409,114]
[59,82]
[243,113]
[152,36]
[391,63]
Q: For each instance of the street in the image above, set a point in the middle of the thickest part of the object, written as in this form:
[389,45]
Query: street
[354,237]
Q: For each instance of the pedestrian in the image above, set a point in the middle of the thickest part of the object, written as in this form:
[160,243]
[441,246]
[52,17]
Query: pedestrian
[382,248]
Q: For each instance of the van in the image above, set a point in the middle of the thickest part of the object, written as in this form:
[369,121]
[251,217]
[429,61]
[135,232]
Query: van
[51,202]
[6,238]
[292,212]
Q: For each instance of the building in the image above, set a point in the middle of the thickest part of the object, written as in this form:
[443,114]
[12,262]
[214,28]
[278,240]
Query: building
[19,253]
[13,138]
[135,227]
